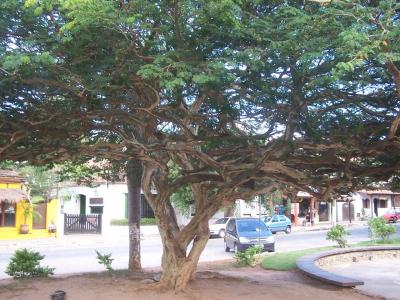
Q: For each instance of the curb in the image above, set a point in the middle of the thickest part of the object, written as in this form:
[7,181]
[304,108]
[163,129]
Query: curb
[306,264]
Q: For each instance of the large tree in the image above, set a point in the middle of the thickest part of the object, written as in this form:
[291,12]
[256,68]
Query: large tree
[218,99]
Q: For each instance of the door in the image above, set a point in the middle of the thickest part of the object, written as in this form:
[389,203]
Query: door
[347,211]
[40,223]
[282,223]
[323,211]
[230,233]
[274,224]
[82,204]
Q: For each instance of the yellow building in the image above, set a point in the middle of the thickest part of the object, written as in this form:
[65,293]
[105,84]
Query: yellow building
[13,202]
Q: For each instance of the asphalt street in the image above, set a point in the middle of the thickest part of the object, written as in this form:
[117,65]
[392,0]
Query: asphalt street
[75,254]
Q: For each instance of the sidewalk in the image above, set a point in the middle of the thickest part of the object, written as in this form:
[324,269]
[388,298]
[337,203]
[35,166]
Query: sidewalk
[327,225]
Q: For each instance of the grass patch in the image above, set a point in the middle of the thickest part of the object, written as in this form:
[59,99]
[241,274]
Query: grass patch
[395,241]
[287,260]
[124,222]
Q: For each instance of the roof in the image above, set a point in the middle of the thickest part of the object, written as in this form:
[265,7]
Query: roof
[12,195]
[378,192]
[8,176]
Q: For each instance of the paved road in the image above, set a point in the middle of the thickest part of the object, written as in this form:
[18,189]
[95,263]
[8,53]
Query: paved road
[77,253]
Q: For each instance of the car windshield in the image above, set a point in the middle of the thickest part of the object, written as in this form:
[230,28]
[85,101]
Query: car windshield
[251,225]
[221,221]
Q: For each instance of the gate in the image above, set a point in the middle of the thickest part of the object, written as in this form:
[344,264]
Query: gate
[82,223]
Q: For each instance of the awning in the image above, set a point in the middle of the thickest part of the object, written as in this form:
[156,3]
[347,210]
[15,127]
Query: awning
[12,195]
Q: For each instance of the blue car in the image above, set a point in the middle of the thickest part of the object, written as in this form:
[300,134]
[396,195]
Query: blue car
[278,223]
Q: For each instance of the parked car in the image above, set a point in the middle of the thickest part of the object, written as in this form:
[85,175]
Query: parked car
[242,233]
[278,223]
[392,216]
[218,227]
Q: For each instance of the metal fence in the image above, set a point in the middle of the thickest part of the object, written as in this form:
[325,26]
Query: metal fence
[76,223]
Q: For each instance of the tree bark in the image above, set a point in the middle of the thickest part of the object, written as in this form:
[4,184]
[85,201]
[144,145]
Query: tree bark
[178,267]
[134,179]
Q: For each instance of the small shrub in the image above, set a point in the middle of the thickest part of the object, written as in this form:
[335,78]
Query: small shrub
[124,222]
[105,259]
[248,257]
[25,264]
[338,234]
[119,222]
[379,229]
[148,221]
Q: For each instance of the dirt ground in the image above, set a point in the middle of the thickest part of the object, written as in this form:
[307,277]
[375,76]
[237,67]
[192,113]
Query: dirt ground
[213,282]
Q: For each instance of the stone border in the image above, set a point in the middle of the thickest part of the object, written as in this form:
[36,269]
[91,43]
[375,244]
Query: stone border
[307,264]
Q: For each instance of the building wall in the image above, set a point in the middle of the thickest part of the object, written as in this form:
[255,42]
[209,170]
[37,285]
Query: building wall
[113,201]
[7,233]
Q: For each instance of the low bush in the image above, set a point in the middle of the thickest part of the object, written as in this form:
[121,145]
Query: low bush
[338,234]
[249,256]
[105,259]
[26,264]
[379,229]
[124,222]
[119,222]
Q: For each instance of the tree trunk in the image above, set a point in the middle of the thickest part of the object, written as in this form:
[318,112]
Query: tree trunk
[179,268]
[134,179]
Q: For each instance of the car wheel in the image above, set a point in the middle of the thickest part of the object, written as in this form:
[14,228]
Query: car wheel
[272,249]
[288,229]
[222,233]
[227,249]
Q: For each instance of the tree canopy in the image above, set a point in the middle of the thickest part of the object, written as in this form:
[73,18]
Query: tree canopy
[227,98]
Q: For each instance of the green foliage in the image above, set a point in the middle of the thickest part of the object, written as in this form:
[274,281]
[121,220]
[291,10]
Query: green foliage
[105,259]
[30,212]
[124,222]
[26,264]
[249,256]
[338,234]
[287,260]
[380,229]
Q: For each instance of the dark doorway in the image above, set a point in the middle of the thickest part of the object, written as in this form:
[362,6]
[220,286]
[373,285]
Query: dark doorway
[323,211]
[347,211]
[145,209]
[82,204]
[376,203]
[40,223]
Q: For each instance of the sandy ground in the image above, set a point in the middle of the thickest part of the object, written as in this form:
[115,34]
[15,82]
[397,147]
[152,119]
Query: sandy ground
[216,282]
[386,284]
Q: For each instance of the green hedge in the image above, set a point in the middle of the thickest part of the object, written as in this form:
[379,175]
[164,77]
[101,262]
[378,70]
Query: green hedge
[124,222]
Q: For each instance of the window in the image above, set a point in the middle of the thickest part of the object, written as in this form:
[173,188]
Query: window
[96,209]
[282,219]
[366,203]
[7,215]
[383,203]
[231,226]
[221,221]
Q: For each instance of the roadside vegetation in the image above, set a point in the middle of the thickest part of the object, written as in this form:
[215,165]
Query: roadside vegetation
[25,263]
[124,222]
[287,260]
[249,257]
[380,230]
[338,234]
